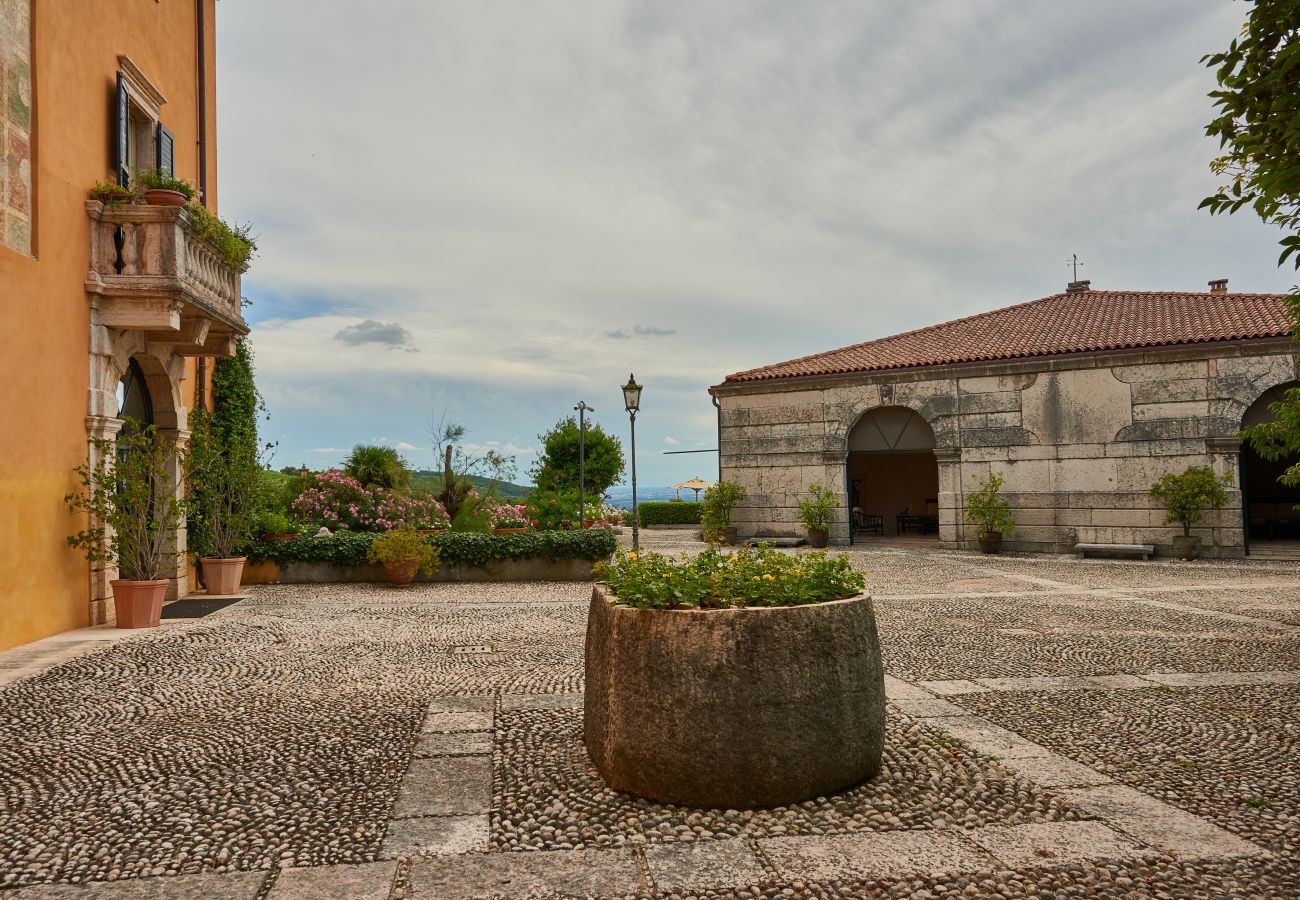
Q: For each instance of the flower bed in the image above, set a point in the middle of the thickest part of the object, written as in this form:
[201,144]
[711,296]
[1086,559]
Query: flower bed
[716,580]
[335,500]
[543,556]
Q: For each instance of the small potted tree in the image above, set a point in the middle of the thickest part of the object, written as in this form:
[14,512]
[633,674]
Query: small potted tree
[1186,496]
[162,188]
[403,552]
[132,502]
[815,512]
[719,500]
[224,485]
[990,513]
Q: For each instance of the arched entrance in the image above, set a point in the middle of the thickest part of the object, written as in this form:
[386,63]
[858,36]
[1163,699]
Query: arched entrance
[133,398]
[1271,518]
[893,475]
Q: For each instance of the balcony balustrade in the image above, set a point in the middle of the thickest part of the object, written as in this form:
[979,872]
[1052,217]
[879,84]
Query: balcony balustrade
[149,273]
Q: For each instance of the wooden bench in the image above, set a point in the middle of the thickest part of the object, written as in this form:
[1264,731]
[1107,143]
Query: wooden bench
[1146,550]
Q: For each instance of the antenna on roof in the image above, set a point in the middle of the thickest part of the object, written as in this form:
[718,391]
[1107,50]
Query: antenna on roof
[1076,286]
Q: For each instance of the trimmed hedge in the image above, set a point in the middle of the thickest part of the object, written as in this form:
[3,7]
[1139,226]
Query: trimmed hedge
[669,512]
[349,548]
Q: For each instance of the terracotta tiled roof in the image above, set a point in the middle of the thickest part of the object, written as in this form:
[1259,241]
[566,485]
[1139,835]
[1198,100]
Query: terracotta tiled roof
[1078,322]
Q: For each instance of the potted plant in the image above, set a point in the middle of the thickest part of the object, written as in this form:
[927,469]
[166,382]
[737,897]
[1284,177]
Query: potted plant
[508,518]
[732,680]
[276,526]
[990,513]
[224,487]
[1186,496]
[815,512]
[133,503]
[719,500]
[110,193]
[162,188]
[403,552]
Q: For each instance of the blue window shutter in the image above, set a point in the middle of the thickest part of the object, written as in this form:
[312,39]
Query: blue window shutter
[123,160]
[166,146]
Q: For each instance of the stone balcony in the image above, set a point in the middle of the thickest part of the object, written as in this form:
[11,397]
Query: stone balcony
[149,273]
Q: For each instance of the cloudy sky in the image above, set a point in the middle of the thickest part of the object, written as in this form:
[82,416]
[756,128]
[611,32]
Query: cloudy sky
[497,209]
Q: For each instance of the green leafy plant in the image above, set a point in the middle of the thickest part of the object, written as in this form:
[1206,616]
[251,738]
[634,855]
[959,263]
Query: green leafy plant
[112,193]
[225,494]
[470,548]
[377,466]
[133,503]
[163,180]
[717,580]
[669,512]
[404,545]
[461,468]
[557,462]
[815,510]
[273,522]
[987,510]
[235,243]
[1188,494]
[719,500]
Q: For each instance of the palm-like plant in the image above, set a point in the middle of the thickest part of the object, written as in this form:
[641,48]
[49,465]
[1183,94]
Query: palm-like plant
[376,466]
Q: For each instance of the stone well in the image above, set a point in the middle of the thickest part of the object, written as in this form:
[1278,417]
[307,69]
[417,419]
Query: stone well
[735,708]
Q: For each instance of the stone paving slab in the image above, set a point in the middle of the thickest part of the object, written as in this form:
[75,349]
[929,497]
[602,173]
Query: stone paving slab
[436,836]
[1054,843]
[1056,771]
[457,743]
[461,704]
[368,881]
[487,876]
[445,786]
[898,689]
[952,687]
[929,708]
[987,738]
[540,701]
[465,720]
[838,857]
[703,865]
[1063,683]
[229,886]
[1158,824]
[1219,679]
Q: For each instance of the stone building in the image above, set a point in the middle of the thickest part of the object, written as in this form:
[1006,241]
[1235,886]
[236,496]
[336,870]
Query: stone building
[109,310]
[1080,400]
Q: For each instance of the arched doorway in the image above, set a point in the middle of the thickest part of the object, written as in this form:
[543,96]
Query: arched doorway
[133,398]
[1271,517]
[893,475]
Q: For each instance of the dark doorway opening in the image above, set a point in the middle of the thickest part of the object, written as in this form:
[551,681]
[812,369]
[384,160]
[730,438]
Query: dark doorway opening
[1272,522]
[893,476]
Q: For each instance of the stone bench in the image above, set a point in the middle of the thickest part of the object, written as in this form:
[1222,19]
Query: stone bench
[1146,550]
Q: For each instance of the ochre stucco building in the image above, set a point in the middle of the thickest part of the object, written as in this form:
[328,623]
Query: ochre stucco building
[106,310]
[1079,400]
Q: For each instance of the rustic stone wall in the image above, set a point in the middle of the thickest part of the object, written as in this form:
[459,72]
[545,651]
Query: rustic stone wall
[1078,440]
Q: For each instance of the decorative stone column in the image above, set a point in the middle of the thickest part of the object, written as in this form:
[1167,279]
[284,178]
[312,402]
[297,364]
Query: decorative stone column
[100,427]
[178,439]
[1229,522]
[951,502]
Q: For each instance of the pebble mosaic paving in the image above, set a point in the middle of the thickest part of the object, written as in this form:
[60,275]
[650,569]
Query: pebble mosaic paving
[1056,728]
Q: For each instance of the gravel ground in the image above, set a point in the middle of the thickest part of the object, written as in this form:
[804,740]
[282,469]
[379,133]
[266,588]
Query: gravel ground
[1275,603]
[1055,634]
[1229,754]
[550,797]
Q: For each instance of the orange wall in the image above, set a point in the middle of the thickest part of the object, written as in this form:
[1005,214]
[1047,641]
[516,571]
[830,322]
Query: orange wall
[44,584]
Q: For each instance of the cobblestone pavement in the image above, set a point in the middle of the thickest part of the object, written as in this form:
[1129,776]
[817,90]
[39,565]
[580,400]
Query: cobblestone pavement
[1056,728]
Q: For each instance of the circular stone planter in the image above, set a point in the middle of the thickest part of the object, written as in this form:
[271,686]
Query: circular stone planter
[734,708]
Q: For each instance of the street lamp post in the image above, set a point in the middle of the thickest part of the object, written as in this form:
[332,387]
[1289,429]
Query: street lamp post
[632,401]
[582,408]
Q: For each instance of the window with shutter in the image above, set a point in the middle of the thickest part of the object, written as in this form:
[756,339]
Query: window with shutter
[123,163]
[165,145]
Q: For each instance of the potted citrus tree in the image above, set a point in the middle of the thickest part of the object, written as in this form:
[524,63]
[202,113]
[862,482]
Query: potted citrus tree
[226,506]
[403,552]
[719,500]
[815,513]
[990,513]
[132,501]
[1186,496]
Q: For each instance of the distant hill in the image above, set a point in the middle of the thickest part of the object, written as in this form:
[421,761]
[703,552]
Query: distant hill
[425,480]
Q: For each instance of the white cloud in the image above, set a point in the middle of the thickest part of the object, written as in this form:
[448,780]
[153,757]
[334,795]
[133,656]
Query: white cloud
[326,450]
[671,441]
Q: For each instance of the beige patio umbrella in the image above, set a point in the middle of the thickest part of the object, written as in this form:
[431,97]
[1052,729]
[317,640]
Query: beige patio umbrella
[696,484]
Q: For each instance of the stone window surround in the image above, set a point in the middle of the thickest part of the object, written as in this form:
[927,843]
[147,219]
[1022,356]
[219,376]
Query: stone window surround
[146,101]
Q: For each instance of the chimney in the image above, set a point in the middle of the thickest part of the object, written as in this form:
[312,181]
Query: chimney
[1077,287]
[1219,286]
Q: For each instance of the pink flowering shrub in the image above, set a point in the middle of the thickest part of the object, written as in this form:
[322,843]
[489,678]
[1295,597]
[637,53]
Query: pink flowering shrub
[335,500]
[505,515]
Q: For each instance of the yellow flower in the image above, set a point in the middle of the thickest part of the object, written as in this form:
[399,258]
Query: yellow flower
[769,578]
[756,578]
[631,556]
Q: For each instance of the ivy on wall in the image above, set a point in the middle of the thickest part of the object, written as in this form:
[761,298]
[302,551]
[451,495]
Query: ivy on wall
[236,404]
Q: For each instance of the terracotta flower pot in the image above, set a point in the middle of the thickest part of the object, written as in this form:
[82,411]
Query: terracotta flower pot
[402,571]
[818,537]
[138,603]
[279,537]
[509,530]
[991,542]
[431,530]
[163,197]
[222,576]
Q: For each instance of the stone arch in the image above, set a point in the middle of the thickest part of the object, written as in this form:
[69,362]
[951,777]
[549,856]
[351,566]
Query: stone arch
[892,472]
[1269,505]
